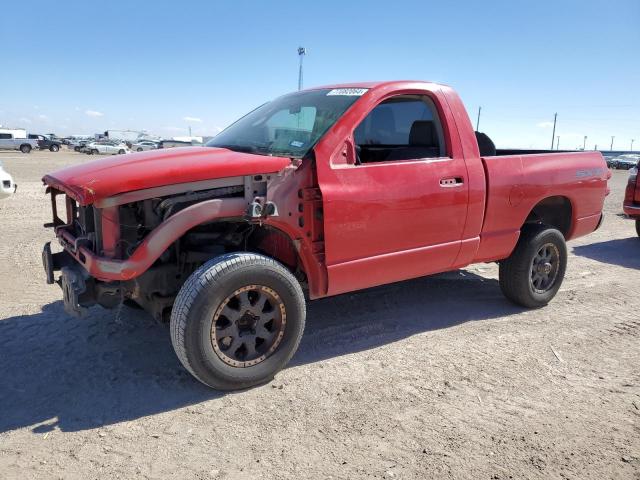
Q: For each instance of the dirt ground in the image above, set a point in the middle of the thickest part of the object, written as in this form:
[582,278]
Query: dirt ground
[438,377]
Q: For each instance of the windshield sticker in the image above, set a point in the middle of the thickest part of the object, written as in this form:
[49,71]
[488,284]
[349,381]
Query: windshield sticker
[348,92]
[296,143]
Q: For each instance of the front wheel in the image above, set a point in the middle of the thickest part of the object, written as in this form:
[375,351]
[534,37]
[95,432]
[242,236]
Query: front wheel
[121,152]
[532,275]
[638,226]
[54,148]
[26,148]
[237,320]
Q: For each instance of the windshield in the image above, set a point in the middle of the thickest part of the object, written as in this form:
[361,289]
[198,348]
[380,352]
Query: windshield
[290,125]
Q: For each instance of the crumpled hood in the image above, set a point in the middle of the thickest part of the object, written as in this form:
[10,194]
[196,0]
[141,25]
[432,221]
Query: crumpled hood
[100,179]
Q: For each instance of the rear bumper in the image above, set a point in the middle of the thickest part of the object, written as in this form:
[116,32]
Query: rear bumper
[631,210]
[586,225]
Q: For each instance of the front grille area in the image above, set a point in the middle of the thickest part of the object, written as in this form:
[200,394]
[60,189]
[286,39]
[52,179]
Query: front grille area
[79,221]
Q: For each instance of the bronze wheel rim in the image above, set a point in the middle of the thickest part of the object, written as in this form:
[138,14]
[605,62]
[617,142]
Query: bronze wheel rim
[248,326]
[544,268]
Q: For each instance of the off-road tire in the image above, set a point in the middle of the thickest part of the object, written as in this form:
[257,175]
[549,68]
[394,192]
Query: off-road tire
[54,148]
[201,295]
[638,226]
[516,271]
[26,148]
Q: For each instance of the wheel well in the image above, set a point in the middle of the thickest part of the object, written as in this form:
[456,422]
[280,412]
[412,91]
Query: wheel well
[554,211]
[156,288]
[278,245]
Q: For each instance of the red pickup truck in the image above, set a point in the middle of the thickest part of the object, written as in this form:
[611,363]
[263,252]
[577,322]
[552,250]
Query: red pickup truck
[323,191]
[631,205]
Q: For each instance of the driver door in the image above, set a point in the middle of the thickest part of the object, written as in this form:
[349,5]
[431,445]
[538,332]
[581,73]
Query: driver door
[399,210]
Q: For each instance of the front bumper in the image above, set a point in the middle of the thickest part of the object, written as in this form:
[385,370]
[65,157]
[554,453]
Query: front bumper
[73,282]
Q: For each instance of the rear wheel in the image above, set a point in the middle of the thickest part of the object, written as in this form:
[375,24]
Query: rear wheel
[532,275]
[237,320]
[139,149]
[54,148]
[26,148]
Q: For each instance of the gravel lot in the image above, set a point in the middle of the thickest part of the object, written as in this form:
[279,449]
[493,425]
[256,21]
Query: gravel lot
[438,377]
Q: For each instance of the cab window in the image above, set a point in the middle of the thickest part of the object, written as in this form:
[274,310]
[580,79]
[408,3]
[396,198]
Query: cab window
[405,127]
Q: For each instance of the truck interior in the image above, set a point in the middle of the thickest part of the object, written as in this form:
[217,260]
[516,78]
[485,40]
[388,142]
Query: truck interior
[401,128]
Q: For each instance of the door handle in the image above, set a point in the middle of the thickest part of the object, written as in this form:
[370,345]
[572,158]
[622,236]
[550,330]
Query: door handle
[451,182]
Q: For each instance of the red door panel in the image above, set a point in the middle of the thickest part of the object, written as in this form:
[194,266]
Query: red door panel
[393,220]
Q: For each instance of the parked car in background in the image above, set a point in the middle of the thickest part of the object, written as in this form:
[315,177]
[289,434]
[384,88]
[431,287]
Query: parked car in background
[79,143]
[9,142]
[46,143]
[109,148]
[627,161]
[631,205]
[144,145]
[7,185]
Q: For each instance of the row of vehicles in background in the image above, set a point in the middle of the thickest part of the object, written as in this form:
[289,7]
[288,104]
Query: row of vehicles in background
[625,161]
[118,147]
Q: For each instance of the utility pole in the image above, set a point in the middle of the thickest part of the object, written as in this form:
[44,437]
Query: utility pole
[189,130]
[301,53]
[478,121]
[553,134]
[612,137]
[584,143]
[558,143]
[632,140]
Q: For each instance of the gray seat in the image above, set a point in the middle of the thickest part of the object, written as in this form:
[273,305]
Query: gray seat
[423,143]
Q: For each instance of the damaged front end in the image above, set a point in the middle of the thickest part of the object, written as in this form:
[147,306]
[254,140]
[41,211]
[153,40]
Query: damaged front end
[140,247]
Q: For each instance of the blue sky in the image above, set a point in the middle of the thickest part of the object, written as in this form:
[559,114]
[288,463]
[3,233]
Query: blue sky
[76,67]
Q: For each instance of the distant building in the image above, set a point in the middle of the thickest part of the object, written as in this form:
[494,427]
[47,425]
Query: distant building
[125,135]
